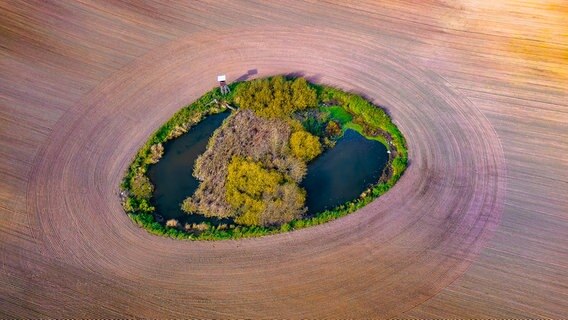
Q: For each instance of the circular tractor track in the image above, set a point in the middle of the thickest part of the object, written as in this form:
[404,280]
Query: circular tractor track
[380,261]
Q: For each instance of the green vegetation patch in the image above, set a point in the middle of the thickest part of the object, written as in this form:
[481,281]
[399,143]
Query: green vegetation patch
[338,114]
[254,162]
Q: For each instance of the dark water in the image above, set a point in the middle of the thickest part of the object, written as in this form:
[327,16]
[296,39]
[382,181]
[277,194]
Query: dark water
[172,175]
[337,176]
[343,172]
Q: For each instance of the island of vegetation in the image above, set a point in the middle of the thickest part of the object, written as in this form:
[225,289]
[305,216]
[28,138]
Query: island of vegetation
[254,163]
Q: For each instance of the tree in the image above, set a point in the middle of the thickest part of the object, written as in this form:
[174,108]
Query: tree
[276,97]
[156,153]
[247,184]
[332,129]
[261,196]
[304,145]
[189,206]
[302,95]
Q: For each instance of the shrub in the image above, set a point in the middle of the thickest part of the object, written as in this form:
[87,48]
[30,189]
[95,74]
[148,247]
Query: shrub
[172,223]
[130,204]
[178,131]
[156,153]
[313,126]
[145,206]
[141,186]
[398,165]
[201,226]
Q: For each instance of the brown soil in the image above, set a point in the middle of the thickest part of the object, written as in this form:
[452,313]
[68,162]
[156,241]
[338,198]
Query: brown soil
[82,85]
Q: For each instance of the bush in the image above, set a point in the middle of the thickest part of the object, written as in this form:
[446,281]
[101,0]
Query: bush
[172,223]
[141,187]
[156,153]
[313,126]
[201,226]
[145,206]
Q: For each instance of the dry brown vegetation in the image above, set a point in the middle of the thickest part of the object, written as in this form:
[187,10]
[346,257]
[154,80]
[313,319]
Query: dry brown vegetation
[244,134]
[275,161]
[172,223]
[156,152]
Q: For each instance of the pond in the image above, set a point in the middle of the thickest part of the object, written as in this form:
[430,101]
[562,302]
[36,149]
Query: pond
[343,172]
[172,175]
[335,177]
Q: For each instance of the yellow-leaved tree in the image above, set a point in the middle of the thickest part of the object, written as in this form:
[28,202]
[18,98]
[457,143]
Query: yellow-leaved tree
[276,97]
[304,145]
[260,196]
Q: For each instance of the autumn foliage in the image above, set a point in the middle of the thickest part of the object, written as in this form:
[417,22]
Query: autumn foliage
[276,97]
[254,163]
[260,196]
[304,145]
[262,141]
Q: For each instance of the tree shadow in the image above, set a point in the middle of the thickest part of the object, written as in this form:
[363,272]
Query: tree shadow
[293,75]
[247,75]
[297,74]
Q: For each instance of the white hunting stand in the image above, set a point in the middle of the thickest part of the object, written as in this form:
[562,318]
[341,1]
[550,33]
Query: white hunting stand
[223,84]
